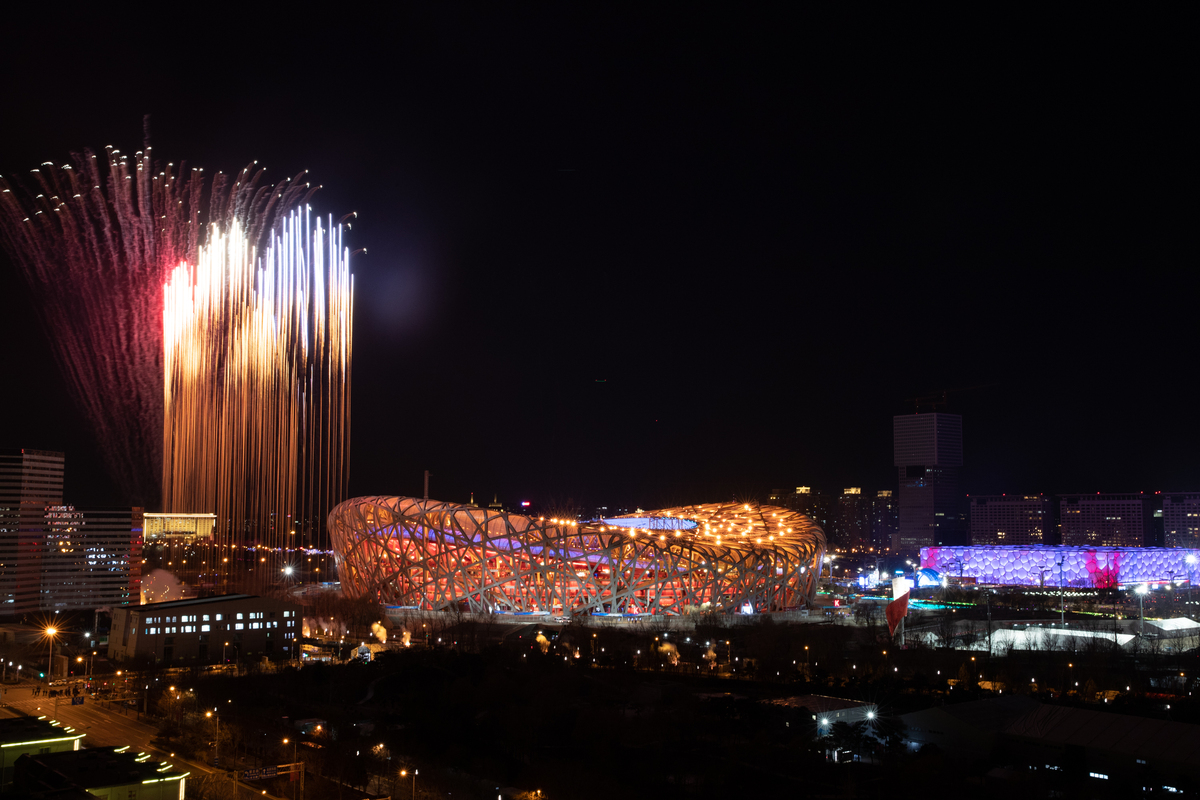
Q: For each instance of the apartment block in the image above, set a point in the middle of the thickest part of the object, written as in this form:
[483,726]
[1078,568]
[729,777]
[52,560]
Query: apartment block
[1012,519]
[1106,520]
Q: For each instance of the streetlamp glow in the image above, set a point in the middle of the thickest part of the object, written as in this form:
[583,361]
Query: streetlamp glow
[50,634]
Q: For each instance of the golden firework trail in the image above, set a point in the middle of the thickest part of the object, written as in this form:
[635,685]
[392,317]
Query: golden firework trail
[256,390]
[96,239]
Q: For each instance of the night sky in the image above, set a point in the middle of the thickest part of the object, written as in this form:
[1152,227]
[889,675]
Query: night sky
[624,257]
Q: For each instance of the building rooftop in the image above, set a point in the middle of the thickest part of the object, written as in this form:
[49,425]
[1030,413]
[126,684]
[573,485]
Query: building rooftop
[992,714]
[68,793]
[94,768]
[26,730]
[197,601]
[1114,733]
[819,702]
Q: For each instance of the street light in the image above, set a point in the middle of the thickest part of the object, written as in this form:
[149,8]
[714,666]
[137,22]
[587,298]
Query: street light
[50,634]
[404,773]
[1141,593]
[295,760]
[216,735]
[1191,562]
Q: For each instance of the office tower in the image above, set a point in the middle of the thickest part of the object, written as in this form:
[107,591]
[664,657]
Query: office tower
[1106,520]
[1181,519]
[93,558]
[927,451]
[1012,519]
[883,519]
[852,523]
[31,481]
[818,506]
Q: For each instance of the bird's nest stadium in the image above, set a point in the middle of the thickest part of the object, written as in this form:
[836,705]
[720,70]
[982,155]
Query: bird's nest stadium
[436,556]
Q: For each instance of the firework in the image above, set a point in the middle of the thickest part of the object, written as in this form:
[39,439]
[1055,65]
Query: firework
[204,329]
[95,240]
[257,383]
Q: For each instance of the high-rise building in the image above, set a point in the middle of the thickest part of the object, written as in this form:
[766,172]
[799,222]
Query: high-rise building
[1181,519]
[818,506]
[93,558]
[852,523]
[1106,520]
[31,481]
[883,519]
[1012,519]
[55,557]
[927,451]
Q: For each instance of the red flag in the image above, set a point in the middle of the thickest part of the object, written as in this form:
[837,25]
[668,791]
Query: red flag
[896,611]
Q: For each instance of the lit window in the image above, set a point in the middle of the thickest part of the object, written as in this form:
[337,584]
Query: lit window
[204,628]
[1099,775]
[237,626]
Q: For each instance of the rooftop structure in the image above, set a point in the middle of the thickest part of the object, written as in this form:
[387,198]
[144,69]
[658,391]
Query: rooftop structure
[434,555]
[21,735]
[110,773]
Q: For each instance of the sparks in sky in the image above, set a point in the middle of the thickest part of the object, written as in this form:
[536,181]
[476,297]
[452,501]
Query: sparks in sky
[204,327]
[96,239]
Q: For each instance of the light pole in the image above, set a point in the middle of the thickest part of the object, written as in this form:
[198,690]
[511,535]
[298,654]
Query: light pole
[216,736]
[1141,593]
[1191,562]
[295,760]
[404,773]
[1062,614]
[50,633]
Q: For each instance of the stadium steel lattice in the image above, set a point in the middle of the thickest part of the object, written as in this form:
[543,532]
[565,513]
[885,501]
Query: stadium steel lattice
[432,555]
